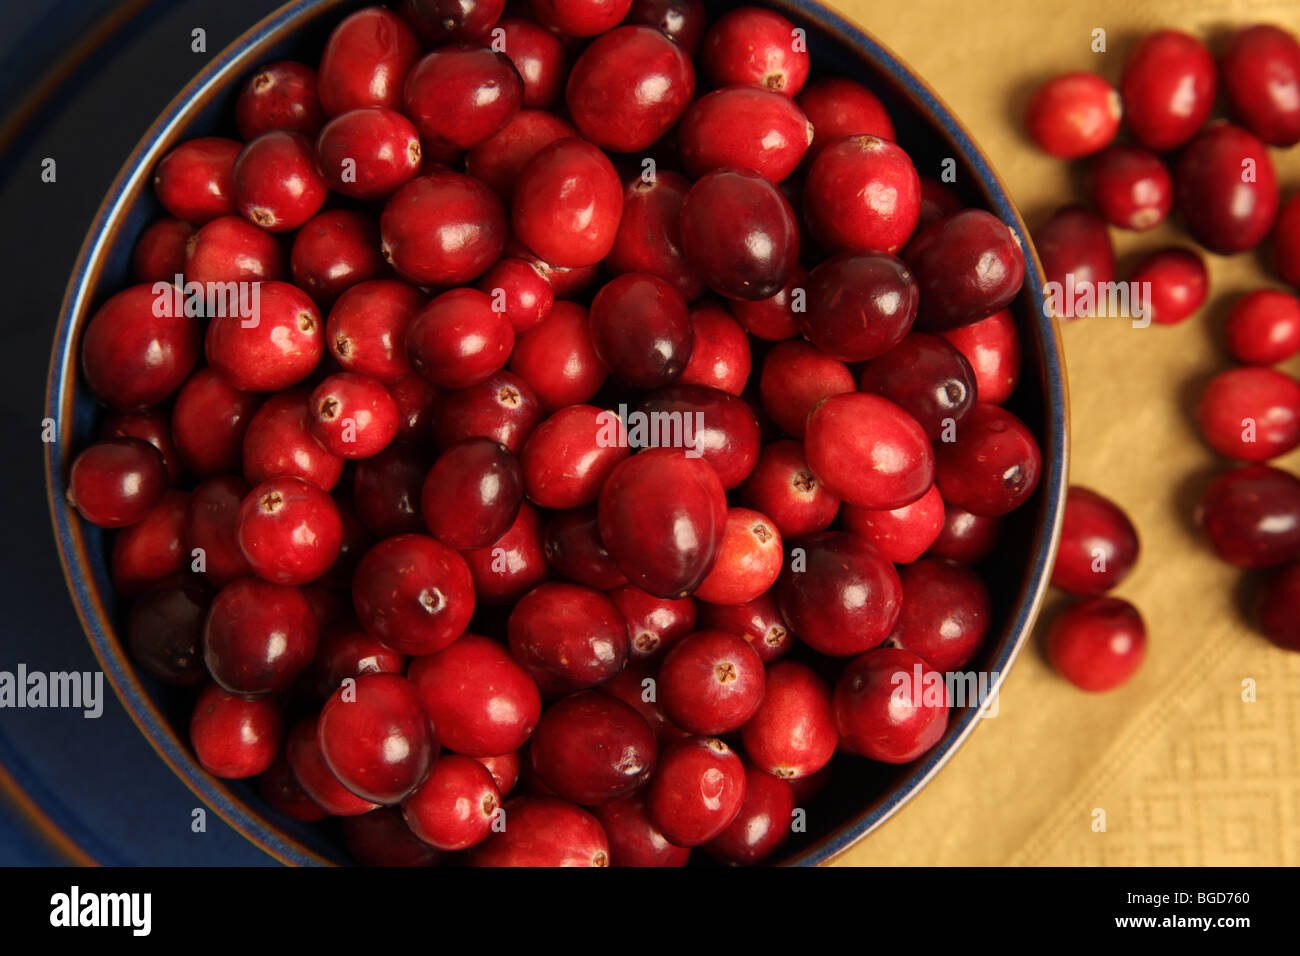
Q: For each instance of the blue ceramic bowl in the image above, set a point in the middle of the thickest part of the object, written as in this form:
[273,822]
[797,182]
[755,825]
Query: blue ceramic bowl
[861,794]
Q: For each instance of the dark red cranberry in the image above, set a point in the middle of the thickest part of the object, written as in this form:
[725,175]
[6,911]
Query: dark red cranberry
[376,738]
[472,494]
[416,401]
[758,621]
[900,534]
[349,652]
[500,158]
[927,377]
[212,526]
[502,407]
[711,682]
[720,356]
[279,96]
[744,127]
[1260,68]
[580,18]
[413,593]
[868,451]
[748,563]
[281,347]
[447,21]
[382,838]
[842,597]
[965,537]
[333,252]
[1098,643]
[724,432]
[1168,88]
[1178,284]
[793,733]
[366,61]
[258,637]
[133,358]
[513,564]
[992,347]
[284,794]
[575,552]
[195,181]
[937,201]
[776,317]
[1251,413]
[590,748]
[1073,115]
[159,254]
[232,249]
[235,737]
[890,706]
[366,329]
[649,233]
[654,624]
[458,339]
[1286,242]
[967,267]
[302,751]
[443,230]
[945,614]
[279,442]
[859,306]
[152,549]
[152,425]
[1252,516]
[352,416]
[165,633]
[697,790]
[838,107]
[761,825]
[117,482]
[519,291]
[277,186]
[1264,327]
[992,467]
[1075,249]
[1226,189]
[568,202]
[569,456]
[456,806]
[862,195]
[356,539]
[544,831]
[209,421]
[1131,187]
[539,59]
[1278,613]
[634,840]
[289,530]
[568,637]
[757,47]
[638,688]
[1099,545]
[783,487]
[459,95]
[386,489]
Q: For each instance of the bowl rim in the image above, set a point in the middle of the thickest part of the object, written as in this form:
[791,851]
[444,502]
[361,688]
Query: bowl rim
[246,52]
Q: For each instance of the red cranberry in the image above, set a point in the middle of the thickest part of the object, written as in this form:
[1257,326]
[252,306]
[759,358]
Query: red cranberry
[748,563]
[793,733]
[279,442]
[1226,210]
[209,422]
[279,96]
[649,233]
[775,318]
[1168,88]
[783,487]
[641,329]
[513,564]
[965,537]
[117,482]
[1252,516]
[568,457]
[868,451]
[928,378]
[456,806]
[1279,608]
[937,201]
[843,597]
[967,267]
[1178,284]
[697,790]
[654,624]
[1261,76]
[504,769]
[590,748]
[1251,413]
[458,96]
[992,347]
[1099,545]
[719,351]
[945,613]
[762,823]
[568,637]
[502,407]
[153,548]
[165,634]
[1286,242]
[366,61]
[446,21]
[538,57]
[575,552]
[758,621]
[744,127]
[472,494]
[757,47]
[349,652]
[235,737]
[413,593]
[890,706]
[519,291]
[352,415]
[280,348]
[367,153]
[900,534]
[289,530]
[386,489]
[366,329]
[557,359]
[258,637]
[302,751]
[711,682]
[159,254]
[568,202]
[443,230]
[637,687]
[725,431]
[1131,187]
[416,401]
[232,249]
[382,838]
[838,107]
[1073,115]
[992,467]
[682,21]
[1075,249]
[499,159]
[1098,643]
[151,425]
[859,306]
[544,831]
[1264,327]
[281,790]
[580,18]
[134,359]
[195,181]
[277,185]
[376,738]
[458,339]
[634,840]
[862,195]
[739,234]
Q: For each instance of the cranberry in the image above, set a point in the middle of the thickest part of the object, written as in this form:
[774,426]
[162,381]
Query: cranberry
[443,230]
[711,682]
[590,748]
[134,359]
[302,751]
[1098,547]
[209,422]
[793,733]
[945,613]
[636,687]
[1251,413]
[1075,249]
[720,355]
[758,47]
[859,306]
[649,233]
[725,432]
[928,378]
[1131,187]
[568,457]
[1261,76]
[511,565]
[504,769]
[937,201]
[281,790]
[159,254]
[965,537]
[153,548]
[544,831]
[165,634]
[538,57]
[682,21]
[579,18]
[1226,211]
[1278,612]
[382,838]
[413,593]
[281,346]
[195,181]
[279,442]
[416,402]
[1168,88]
[739,234]
[557,360]
[1178,284]
[258,637]
[519,291]
[502,407]
[277,185]
[456,806]
[697,790]
[574,551]
[900,534]
[232,249]
[279,96]
[368,153]
[289,530]
[366,329]
[890,706]
[774,318]
[634,840]
[783,487]
[868,451]
[472,494]
[654,624]
[446,21]
[376,738]
[151,425]
[386,489]
[1286,242]
[748,563]
[744,127]
[992,347]
[967,267]
[458,96]
[843,597]
[117,482]
[349,652]
[862,195]
[1264,327]
[1251,515]
[352,416]
[1073,115]
[641,329]
[568,637]
[458,339]
[235,737]
[1098,643]
[211,527]
[366,61]
[761,825]
[758,621]
[568,202]
[992,467]
[838,107]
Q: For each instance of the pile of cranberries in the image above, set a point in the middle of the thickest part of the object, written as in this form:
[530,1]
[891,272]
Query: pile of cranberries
[1220,178]
[403,531]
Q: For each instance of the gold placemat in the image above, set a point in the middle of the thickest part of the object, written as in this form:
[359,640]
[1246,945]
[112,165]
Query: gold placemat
[1185,770]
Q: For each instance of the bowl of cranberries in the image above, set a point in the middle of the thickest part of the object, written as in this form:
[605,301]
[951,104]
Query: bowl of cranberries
[605,432]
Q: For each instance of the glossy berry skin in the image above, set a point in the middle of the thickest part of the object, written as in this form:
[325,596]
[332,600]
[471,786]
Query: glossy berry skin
[1263,327]
[859,306]
[366,328]
[634,840]
[544,831]
[967,267]
[569,456]
[744,127]
[758,621]
[654,624]
[711,682]
[152,551]
[1179,284]
[568,202]
[1099,545]
[749,560]
[413,593]
[838,107]
[539,58]
[1278,611]
[993,466]
[632,686]
[739,234]
[366,60]
[579,18]
[557,360]
[890,706]
[258,637]
[1225,213]
[641,329]
[965,537]
[276,182]
[134,359]
[279,442]
[756,47]
[868,451]
[159,254]
[520,291]
[900,534]
[862,195]
[1260,68]
[479,699]
[289,530]
[459,95]
[649,236]
[761,825]
[720,354]
[1250,414]
[417,400]
[783,487]
[472,494]
[1073,115]
[845,600]
[195,181]
[303,753]
[697,790]
[281,350]
[590,748]
[773,318]
[117,482]
[945,615]
[458,339]
[726,433]
[1168,89]
[662,516]
[928,378]
[368,153]
[352,416]
[1098,643]
[347,651]
[567,637]
[992,347]
[1251,516]
[279,96]
[150,425]
[502,407]
[1131,187]
[455,807]
[504,769]
[235,737]
[500,158]
[377,739]
[445,229]
[232,249]
[575,552]
[446,21]
[165,634]
[1075,242]
[793,733]
[334,251]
